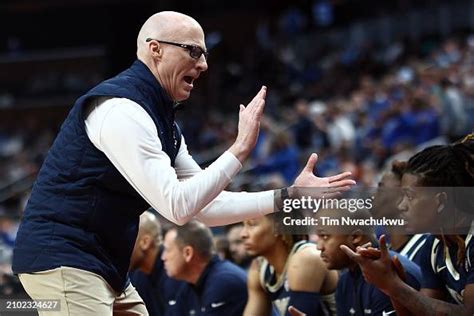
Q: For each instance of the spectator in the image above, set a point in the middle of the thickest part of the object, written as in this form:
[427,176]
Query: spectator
[213,286]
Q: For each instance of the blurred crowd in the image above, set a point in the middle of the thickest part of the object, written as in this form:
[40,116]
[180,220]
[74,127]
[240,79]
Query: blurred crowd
[361,120]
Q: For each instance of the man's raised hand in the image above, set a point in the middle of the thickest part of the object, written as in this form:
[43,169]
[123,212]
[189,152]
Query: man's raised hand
[332,185]
[249,126]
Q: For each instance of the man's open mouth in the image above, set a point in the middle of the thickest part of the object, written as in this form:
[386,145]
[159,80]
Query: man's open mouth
[188,79]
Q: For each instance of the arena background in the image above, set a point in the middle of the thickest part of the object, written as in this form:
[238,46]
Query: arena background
[360,82]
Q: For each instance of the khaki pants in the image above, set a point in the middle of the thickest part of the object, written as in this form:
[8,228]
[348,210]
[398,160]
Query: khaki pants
[81,293]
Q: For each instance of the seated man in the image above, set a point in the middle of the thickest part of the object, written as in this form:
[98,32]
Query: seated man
[213,286]
[437,186]
[289,271]
[355,296]
[147,271]
[386,200]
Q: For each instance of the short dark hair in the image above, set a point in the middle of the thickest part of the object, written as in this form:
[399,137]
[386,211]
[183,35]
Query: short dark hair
[196,235]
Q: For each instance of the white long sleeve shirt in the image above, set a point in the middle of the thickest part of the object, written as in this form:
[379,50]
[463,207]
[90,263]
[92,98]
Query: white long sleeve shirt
[127,135]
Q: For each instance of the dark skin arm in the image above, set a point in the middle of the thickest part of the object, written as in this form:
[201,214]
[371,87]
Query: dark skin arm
[381,274]
[258,303]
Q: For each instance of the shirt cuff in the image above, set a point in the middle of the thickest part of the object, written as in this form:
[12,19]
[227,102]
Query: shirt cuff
[266,202]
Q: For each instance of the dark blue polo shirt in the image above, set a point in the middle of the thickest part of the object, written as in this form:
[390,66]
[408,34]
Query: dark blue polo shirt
[156,289]
[220,291]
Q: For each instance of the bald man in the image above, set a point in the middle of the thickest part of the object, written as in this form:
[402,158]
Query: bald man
[148,274]
[119,152]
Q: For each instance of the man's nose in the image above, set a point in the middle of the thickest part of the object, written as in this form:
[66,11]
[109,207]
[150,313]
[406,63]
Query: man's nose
[202,63]
[320,245]
[402,205]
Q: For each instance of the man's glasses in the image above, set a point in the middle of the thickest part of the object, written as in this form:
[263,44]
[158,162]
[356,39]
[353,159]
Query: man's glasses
[194,51]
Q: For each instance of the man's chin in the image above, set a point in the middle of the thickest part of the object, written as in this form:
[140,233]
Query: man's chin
[183,96]
[333,266]
[330,266]
[252,253]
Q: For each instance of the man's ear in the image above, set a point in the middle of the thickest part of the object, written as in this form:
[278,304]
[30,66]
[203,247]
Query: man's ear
[156,50]
[188,253]
[441,201]
[356,238]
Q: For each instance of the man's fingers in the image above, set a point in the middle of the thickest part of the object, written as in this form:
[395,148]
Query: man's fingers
[340,176]
[259,108]
[295,312]
[263,92]
[335,191]
[350,253]
[342,183]
[259,96]
[383,247]
[311,163]
[371,253]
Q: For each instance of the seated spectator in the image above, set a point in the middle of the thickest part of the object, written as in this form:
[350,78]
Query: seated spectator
[147,271]
[212,286]
[282,159]
[289,271]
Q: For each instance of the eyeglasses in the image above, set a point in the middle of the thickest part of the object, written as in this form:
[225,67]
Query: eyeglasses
[194,51]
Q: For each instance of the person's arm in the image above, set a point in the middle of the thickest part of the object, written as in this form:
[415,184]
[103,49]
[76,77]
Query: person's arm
[307,271]
[381,274]
[419,304]
[126,134]
[258,302]
[222,210]
[128,137]
[306,275]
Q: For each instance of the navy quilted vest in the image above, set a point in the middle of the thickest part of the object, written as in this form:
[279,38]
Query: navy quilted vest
[82,212]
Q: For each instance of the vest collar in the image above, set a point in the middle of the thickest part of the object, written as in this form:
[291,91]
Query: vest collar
[153,87]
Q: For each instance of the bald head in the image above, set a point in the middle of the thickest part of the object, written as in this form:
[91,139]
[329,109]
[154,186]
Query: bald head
[167,26]
[149,225]
[147,244]
[175,52]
